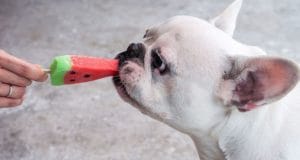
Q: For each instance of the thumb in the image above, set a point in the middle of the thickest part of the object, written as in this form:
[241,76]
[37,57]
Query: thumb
[41,75]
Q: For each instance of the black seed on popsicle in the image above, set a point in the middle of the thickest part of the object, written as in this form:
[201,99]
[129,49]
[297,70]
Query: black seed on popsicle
[72,72]
[72,80]
[87,76]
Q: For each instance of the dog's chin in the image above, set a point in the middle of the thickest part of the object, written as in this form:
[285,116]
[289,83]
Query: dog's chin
[121,89]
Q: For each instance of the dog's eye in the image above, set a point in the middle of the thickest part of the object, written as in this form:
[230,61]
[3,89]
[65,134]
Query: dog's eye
[157,62]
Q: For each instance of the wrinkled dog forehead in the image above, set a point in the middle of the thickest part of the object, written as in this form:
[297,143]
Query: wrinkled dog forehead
[189,37]
[179,35]
[177,26]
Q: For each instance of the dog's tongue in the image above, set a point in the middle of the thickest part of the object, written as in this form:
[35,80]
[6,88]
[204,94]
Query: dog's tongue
[73,69]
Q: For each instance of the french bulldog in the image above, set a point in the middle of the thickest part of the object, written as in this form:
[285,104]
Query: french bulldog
[232,99]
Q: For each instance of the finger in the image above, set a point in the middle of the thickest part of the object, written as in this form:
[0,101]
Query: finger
[21,67]
[17,92]
[11,78]
[9,102]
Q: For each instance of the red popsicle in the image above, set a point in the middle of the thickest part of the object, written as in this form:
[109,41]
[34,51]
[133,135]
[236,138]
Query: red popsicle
[72,69]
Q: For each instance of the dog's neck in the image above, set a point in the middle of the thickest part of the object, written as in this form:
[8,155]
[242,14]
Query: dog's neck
[217,143]
[260,126]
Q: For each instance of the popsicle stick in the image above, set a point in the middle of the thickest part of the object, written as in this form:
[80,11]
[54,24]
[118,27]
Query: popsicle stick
[46,70]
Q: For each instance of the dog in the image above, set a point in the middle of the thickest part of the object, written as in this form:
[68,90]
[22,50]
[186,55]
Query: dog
[232,99]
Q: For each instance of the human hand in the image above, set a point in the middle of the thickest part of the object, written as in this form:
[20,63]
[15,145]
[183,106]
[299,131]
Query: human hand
[15,75]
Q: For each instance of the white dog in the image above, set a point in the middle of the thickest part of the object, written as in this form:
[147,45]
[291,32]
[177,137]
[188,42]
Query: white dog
[235,102]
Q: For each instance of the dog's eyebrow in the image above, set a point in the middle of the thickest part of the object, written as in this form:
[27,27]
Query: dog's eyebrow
[146,33]
[149,34]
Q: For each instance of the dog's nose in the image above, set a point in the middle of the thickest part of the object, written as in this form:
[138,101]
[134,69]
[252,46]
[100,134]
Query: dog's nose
[134,51]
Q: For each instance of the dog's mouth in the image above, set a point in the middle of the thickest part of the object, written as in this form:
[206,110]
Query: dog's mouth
[121,89]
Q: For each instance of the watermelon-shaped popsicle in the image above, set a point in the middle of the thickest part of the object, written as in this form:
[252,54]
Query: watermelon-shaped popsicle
[71,69]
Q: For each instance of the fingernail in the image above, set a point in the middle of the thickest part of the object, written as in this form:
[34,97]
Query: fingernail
[29,83]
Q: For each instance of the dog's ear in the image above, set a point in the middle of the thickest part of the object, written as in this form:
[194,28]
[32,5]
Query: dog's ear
[226,21]
[253,82]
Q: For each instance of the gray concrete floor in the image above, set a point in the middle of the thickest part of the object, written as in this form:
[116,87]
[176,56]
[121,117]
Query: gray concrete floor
[89,121]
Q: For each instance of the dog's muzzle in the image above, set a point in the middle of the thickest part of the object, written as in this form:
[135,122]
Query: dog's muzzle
[135,53]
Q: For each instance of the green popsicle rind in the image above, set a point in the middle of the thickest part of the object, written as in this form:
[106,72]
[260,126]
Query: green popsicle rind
[60,65]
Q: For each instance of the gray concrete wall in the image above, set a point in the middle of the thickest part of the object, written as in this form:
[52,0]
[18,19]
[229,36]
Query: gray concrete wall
[89,121]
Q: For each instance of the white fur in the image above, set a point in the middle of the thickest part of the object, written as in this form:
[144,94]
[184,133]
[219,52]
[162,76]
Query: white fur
[189,97]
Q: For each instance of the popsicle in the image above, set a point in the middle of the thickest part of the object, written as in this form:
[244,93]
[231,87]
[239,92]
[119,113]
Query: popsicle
[72,69]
